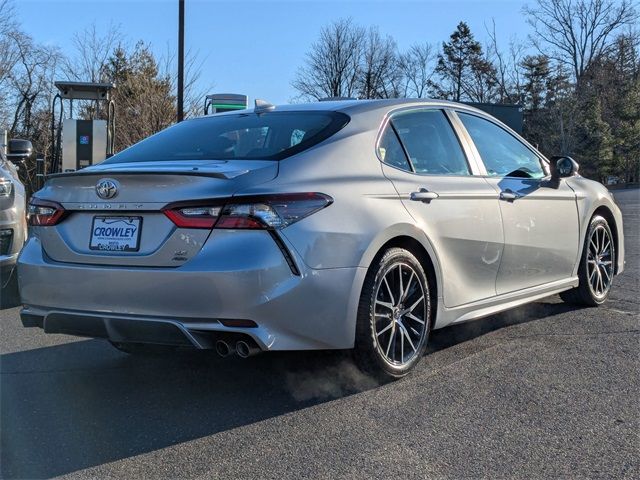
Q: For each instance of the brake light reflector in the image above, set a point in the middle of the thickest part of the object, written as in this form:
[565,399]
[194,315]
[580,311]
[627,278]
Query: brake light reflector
[44,213]
[255,212]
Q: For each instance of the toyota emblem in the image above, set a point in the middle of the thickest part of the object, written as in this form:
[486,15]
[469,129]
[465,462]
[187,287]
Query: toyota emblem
[107,188]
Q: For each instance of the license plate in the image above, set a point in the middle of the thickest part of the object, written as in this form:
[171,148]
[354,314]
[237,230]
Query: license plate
[115,234]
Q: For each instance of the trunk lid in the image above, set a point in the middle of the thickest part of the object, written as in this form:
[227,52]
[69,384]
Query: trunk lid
[143,189]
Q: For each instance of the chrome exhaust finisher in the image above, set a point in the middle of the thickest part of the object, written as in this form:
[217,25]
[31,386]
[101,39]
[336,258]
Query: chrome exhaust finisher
[244,350]
[223,348]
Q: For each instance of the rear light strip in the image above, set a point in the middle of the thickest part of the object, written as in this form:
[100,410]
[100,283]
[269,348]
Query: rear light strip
[265,212]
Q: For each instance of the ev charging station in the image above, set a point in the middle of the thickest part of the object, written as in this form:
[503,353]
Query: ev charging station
[79,143]
[225,102]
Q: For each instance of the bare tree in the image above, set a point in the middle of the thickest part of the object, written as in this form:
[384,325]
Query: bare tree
[92,52]
[575,32]
[194,91]
[508,76]
[332,67]
[418,65]
[8,26]
[380,66]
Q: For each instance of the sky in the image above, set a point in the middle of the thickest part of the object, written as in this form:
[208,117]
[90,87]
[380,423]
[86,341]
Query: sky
[256,47]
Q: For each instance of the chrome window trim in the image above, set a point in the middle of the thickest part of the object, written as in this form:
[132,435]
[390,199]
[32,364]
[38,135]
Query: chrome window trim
[544,163]
[474,171]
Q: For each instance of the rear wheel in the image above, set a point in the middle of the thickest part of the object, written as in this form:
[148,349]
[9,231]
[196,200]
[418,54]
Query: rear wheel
[596,266]
[393,315]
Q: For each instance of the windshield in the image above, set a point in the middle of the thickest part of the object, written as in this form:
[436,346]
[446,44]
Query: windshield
[245,136]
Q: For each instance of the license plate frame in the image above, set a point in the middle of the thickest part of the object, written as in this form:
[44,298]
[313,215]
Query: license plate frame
[117,245]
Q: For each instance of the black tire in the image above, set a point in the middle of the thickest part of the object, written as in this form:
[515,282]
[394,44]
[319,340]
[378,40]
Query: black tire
[585,294]
[372,329]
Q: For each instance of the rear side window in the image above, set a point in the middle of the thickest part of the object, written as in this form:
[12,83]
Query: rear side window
[432,145]
[245,136]
[390,150]
[503,154]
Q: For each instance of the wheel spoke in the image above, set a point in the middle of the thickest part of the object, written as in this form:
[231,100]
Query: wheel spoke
[385,328]
[604,269]
[393,334]
[389,290]
[385,304]
[401,287]
[599,289]
[413,317]
[405,333]
[406,291]
[401,345]
[416,303]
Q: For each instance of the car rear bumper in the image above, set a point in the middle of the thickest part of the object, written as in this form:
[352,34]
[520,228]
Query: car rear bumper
[313,310]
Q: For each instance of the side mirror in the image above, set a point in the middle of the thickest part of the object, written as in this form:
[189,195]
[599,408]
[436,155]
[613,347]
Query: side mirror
[563,167]
[19,151]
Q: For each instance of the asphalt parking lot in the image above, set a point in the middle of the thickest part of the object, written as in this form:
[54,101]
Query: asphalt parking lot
[542,391]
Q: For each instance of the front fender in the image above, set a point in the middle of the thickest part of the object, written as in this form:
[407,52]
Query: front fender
[592,196]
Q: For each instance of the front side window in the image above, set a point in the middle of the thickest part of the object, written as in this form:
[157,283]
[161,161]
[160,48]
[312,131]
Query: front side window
[431,143]
[245,136]
[503,154]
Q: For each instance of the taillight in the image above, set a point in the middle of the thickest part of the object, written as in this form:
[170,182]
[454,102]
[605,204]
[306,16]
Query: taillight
[257,212]
[194,217]
[44,213]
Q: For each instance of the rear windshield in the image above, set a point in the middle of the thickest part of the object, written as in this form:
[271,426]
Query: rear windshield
[245,136]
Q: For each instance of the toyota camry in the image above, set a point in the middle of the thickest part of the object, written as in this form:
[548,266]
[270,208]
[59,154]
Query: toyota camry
[357,225]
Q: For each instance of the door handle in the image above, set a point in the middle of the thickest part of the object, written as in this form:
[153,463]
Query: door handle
[509,195]
[423,195]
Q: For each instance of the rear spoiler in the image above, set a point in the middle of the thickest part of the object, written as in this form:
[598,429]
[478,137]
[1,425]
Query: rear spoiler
[195,172]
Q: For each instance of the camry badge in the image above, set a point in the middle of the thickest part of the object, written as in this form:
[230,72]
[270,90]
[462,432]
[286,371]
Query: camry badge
[107,188]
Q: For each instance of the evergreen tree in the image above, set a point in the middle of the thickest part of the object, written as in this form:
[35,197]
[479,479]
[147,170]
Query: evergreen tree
[595,142]
[143,96]
[465,72]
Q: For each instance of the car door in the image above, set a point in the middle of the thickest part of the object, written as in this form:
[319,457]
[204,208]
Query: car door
[457,210]
[540,223]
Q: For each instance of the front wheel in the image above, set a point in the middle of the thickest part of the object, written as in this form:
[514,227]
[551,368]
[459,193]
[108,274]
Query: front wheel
[393,315]
[596,268]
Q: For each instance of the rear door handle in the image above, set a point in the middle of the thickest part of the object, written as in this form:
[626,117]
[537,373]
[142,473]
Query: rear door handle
[509,195]
[423,195]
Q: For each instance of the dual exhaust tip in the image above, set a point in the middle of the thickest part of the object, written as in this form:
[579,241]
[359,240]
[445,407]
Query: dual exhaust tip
[242,348]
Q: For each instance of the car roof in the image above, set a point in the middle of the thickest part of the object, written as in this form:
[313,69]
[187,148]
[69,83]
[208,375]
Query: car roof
[352,107]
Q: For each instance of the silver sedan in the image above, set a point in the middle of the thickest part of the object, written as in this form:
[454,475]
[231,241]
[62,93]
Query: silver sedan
[337,225]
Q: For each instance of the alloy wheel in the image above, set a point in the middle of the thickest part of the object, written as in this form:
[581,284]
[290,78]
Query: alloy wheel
[400,314]
[600,261]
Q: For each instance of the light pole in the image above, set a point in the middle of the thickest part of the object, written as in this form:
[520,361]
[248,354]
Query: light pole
[180,60]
